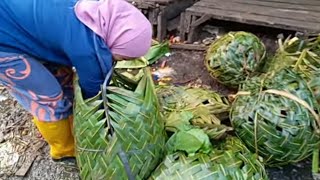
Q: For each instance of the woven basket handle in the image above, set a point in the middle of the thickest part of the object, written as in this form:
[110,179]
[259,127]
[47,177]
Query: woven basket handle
[122,154]
[290,96]
[106,82]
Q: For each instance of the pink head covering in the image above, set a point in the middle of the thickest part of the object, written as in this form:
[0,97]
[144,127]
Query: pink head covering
[125,30]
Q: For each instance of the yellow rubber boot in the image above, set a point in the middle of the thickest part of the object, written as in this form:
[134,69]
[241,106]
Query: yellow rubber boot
[59,137]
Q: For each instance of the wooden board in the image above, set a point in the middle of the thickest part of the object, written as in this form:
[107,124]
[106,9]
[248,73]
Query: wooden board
[271,4]
[300,15]
[301,2]
[192,47]
[162,2]
[297,15]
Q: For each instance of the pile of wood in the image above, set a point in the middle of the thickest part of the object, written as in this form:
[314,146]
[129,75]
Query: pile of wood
[164,15]
[299,15]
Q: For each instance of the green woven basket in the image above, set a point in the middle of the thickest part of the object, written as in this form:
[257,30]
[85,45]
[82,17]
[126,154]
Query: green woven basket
[119,133]
[276,116]
[230,160]
[184,107]
[303,56]
[235,56]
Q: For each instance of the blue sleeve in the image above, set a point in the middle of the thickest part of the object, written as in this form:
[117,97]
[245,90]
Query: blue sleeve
[50,30]
[90,76]
[93,68]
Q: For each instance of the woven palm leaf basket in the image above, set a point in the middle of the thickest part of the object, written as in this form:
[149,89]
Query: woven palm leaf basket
[228,160]
[234,56]
[185,107]
[119,133]
[276,116]
[303,56]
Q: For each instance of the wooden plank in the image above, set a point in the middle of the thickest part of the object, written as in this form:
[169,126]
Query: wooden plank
[259,10]
[300,2]
[182,29]
[201,20]
[290,6]
[30,157]
[192,29]
[188,21]
[189,47]
[164,2]
[142,4]
[153,16]
[153,1]
[160,1]
[256,19]
[145,6]
[162,26]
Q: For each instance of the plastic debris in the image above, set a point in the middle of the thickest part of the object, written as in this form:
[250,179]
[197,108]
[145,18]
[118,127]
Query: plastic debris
[163,72]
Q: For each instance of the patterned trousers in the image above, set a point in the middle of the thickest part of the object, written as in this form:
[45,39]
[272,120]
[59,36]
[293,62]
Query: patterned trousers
[43,89]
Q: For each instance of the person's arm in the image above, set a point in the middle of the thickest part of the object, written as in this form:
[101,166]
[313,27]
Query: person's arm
[93,68]
[90,76]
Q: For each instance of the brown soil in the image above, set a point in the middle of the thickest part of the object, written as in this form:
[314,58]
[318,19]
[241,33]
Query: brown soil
[190,70]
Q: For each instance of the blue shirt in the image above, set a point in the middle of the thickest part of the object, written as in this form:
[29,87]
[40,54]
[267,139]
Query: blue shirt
[50,31]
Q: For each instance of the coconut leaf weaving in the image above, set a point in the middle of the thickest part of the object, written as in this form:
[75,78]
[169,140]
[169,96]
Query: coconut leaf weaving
[126,139]
[276,116]
[230,160]
[302,55]
[235,56]
[156,51]
[186,107]
[131,71]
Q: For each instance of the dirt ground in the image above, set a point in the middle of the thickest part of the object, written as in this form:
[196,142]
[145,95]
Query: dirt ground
[27,145]
[18,130]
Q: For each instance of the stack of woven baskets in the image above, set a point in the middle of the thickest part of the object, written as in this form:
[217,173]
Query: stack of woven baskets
[276,110]
[135,130]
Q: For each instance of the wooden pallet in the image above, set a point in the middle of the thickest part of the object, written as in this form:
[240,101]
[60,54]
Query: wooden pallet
[161,12]
[297,15]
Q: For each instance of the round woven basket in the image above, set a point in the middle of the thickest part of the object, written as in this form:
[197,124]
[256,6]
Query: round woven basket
[235,56]
[277,117]
[301,55]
